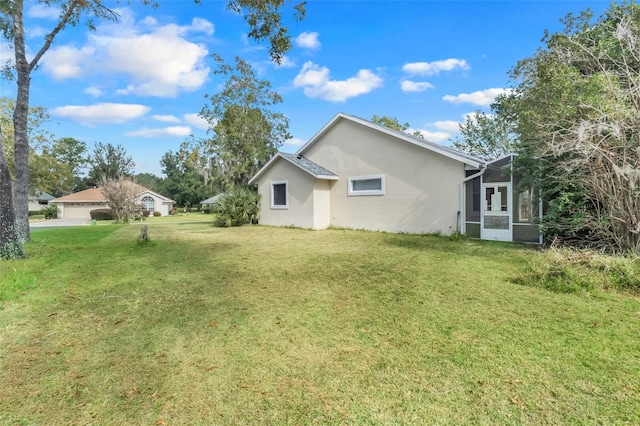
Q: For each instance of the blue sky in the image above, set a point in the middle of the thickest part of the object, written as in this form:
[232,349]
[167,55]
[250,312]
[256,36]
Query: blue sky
[141,82]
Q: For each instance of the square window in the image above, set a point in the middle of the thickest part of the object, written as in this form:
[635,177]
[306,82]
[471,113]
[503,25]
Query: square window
[279,196]
[366,185]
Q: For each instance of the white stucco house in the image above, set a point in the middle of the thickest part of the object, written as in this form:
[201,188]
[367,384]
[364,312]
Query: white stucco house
[356,174]
[79,204]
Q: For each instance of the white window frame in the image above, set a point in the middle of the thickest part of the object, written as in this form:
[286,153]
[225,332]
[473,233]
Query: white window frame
[286,194]
[145,203]
[352,192]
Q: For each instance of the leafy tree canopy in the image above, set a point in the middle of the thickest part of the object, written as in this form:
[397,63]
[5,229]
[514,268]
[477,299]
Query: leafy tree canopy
[487,136]
[182,183]
[576,110]
[109,162]
[394,124]
[246,132]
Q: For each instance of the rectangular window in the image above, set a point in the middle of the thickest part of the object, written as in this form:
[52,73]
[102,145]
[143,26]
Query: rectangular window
[279,195]
[366,185]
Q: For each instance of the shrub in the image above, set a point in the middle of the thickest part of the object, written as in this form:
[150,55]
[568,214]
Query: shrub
[572,271]
[173,211]
[102,214]
[237,207]
[157,214]
[206,210]
[145,212]
[50,212]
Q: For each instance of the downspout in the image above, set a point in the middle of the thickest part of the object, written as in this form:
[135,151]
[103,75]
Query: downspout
[463,220]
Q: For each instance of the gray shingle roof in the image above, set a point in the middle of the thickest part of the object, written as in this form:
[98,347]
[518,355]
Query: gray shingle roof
[307,165]
[212,200]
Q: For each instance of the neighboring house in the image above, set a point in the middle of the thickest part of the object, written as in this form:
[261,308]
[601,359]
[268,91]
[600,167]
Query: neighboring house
[210,202]
[79,204]
[39,200]
[356,174]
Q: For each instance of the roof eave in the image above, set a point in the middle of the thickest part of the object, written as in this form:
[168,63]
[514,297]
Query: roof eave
[407,138]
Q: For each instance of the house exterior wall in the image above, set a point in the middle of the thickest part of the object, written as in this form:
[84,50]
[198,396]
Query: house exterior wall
[300,193]
[78,210]
[160,205]
[422,188]
[34,205]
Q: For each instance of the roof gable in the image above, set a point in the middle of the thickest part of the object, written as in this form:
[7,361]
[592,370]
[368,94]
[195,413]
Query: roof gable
[155,194]
[462,157]
[91,194]
[306,165]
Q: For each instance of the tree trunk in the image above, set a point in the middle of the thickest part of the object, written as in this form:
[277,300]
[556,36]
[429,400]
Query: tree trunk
[20,116]
[10,242]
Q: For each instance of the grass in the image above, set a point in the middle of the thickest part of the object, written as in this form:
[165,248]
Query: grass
[260,325]
[180,217]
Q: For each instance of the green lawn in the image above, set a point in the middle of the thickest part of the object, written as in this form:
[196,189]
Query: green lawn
[261,325]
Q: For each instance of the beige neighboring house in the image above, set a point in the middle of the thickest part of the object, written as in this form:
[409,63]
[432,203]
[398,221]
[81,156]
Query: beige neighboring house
[79,204]
[356,174]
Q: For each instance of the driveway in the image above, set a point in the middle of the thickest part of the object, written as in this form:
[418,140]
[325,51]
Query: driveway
[58,223]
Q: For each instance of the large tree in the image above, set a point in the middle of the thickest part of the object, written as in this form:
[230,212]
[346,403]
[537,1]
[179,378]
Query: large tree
[577,114]
[47,172]
[10,241]
[246,132]
[109,161]
[487,136]
[12,26]
[72,153]
[394,124]
[262,16]
[149,181]
[183,183]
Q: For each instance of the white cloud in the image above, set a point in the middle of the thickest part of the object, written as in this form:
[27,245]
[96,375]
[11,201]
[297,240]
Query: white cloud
[67,61]
[149,21]
[6,53]
[316,83]
[101,113]
[432,68]
[161,64]
[294,142]
[481,97]
[43,11]
[409,86]
[166,118]
[202,26]
[36,31]
[308,41]
[196,121]
[285,62]
[172,131]
[157,60]
[93,91]
[447,125]
[431,136]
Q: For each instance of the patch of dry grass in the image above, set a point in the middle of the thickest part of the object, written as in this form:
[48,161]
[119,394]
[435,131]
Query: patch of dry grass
[259,325]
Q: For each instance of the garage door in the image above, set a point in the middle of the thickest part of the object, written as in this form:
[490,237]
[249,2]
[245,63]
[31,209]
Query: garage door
[79,210]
